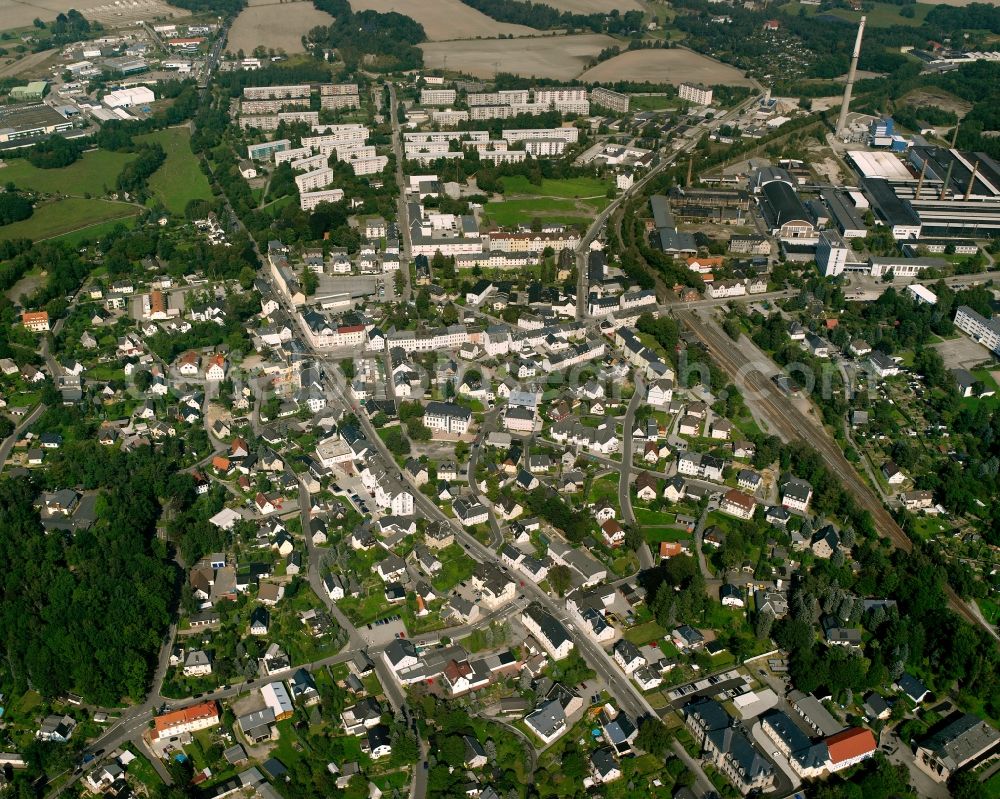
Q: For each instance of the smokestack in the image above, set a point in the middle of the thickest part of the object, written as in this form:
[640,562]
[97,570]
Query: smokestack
[920,183]
[690,167]
[845,107]
[947,179]
[972,180]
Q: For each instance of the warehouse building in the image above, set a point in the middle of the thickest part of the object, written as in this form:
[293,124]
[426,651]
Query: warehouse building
[30,121]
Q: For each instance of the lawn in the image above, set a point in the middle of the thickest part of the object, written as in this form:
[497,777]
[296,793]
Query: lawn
[570,188]
[457,566]
[650,102]
[65,216]
[654,535]
[644,633]
[94,173]
[604,488]
[180,179]
[143,770]
[567,201]
[654,518]
[509,213]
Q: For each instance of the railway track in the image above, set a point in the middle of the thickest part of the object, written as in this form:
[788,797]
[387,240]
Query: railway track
[790,424]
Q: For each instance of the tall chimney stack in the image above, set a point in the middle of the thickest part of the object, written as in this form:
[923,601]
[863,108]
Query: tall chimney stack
[845,107]
[972,181]
[920,183]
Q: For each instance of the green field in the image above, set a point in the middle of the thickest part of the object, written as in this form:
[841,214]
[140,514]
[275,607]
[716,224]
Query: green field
[180,179]
[644,633]
[65,216]
[647,102]
[569,201]
[94,173]
[883,15]
[569,188]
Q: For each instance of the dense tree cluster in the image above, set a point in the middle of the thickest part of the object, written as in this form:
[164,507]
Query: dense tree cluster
[576,524]
[382,42]
[86,612]
[14,207]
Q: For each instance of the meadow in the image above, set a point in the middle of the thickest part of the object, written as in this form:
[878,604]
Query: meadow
[446,19]
[67,216]
[94,173]
[180,179]
[571,201]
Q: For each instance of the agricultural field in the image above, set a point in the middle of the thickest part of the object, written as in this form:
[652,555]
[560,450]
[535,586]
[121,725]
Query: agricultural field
[594,6]
[675,66]
[17,64]
[66,216]
[180,179]
[94,173]
[275,25]
[569,202]
[446,19]
[557,57]
[21,13]
[883,15]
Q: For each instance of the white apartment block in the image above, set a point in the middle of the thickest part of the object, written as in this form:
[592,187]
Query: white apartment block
[978,328]
[437,96]
[318,179]
[449,117]
[368,166]
[572,107]
[504,97]
[570,134]
[309,163]
[480,112]
[442,136]
[695,93]
[544,147]
[412,149]
[281,156]
[310,199]
[612,100]
[277,92]
[272,106]
[560,95]
[504,156]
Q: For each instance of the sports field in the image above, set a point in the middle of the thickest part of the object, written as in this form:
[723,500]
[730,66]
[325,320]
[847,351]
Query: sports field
[570,201]
[180,179]
[65,216]
[94,173]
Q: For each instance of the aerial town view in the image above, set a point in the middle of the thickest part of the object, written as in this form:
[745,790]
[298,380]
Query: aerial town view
[494,399]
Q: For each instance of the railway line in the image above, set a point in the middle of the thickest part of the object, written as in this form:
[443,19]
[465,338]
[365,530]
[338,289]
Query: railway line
[790,424]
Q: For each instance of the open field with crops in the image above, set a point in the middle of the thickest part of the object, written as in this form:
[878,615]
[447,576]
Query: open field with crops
[21,13]
[674,66]
[274,24]
[594,6]
[446,19]
[558,57]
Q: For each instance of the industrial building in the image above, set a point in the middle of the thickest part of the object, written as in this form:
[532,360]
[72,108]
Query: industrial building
[30,121]
[784,213]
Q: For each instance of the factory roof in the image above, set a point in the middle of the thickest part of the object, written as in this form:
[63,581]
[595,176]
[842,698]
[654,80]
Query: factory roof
[879,165]
[782,205]
[893,210]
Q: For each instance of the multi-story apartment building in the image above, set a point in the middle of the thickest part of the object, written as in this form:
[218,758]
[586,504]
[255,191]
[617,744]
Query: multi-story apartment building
[612,100]
[695,93]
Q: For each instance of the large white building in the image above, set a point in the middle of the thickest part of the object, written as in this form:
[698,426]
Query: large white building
[126,98]
[695,93]
[437,96]
[317,179]
[310,199]
[979,328]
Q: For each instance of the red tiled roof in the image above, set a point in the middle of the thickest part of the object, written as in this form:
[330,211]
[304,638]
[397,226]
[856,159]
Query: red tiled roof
[170,721]
[850,743]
